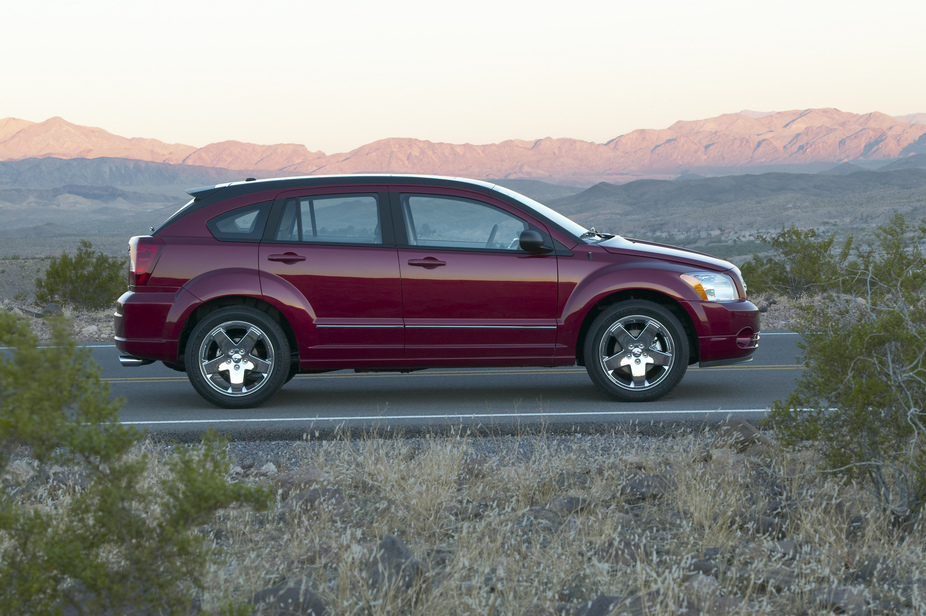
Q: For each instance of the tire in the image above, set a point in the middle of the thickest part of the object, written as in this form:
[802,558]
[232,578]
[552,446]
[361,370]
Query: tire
[636,351]
[237,357]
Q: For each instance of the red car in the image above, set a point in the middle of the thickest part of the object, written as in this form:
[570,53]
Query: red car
[253,282]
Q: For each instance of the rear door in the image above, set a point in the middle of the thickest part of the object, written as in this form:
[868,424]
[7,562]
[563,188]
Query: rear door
[470,293]
[331,246]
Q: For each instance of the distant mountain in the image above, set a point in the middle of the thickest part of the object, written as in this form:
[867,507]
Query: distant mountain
[913,118]
[807,140]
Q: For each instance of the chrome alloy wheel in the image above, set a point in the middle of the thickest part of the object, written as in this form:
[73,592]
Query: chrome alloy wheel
[236,358]
[636,352]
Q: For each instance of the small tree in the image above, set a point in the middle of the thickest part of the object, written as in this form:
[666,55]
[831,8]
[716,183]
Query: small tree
[803,262]
[120,543]
[89,279]
[862,399]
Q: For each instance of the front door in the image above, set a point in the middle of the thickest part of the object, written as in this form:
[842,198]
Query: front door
[469,291]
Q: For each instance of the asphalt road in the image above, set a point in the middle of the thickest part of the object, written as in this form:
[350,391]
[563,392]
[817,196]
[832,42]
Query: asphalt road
[492,400]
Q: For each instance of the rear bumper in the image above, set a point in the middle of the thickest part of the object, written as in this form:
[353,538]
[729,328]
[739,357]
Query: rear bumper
[141,322]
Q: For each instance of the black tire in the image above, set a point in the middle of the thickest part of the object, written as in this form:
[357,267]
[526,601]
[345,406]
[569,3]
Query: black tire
[636,351]
[237,357]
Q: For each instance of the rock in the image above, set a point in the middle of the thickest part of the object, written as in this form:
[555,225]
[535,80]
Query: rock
[393,569]
[786,549]
[841,599]
[299,479]
[52,310]
[568,505]
[647,487]
[740,436]
[266,470]
[90,330]
[874,569]
[707,567]
[19,472]
[634,461]
[329,500]
[701,588]
[777,579]
[287,601]
[621,551]
[913,593]
[623,520]
[602,605]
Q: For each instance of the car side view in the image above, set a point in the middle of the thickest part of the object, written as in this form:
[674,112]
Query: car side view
[251,283]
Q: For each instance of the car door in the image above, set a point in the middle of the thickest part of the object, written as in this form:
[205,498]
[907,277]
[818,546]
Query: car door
[330,248]
[470,292]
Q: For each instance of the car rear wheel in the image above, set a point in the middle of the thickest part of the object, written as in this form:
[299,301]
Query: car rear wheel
[636,351]
[237,357]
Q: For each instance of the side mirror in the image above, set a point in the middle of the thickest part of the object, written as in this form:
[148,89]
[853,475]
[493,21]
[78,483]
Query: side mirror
[531,240]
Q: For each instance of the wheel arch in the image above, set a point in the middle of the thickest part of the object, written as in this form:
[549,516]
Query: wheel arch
[207,308]
[639,294]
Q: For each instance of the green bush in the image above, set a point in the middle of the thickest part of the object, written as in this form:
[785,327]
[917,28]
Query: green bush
[802,263]
[89,279]
[126,540]
[862,397]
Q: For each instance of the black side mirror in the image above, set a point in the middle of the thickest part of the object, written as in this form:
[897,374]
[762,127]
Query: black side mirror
[532,241]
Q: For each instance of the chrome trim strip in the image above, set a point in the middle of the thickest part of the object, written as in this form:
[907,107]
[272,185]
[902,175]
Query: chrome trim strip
[359,326]
[481,326]
[436,326]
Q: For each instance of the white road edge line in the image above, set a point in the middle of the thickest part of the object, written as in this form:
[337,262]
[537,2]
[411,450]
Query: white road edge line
[445,416]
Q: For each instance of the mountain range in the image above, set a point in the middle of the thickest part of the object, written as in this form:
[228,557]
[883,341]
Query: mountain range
[712,185]
[807,140]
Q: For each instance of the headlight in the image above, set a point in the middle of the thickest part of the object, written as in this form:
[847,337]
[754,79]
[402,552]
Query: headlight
[712,286]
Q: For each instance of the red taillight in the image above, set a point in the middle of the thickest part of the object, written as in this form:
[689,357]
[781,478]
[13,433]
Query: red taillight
[144,251]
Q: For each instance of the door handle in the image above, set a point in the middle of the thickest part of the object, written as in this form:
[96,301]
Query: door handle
[286,257]
[427,262]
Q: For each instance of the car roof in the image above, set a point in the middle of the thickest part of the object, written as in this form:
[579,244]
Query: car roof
[250,185]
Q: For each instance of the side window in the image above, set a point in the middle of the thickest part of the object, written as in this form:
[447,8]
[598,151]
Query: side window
[451,222]
[331,219]
[245,224]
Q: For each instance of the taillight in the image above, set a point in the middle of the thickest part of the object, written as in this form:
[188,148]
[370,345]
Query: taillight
[144,251]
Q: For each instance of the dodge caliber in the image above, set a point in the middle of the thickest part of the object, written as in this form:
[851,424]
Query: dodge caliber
[253,282]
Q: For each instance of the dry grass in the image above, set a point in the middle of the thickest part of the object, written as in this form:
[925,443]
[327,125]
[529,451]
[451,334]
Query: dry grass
[541,525]
[545,524]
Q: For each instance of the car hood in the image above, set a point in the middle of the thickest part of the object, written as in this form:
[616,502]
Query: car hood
[622,245]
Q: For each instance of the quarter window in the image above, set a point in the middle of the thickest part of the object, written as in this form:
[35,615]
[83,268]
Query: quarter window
[450,222]
[245,224]
[340,219]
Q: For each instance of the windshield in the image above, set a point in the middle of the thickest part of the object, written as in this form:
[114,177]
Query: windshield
[567,225]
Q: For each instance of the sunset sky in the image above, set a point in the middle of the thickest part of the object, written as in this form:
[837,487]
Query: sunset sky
[335,75]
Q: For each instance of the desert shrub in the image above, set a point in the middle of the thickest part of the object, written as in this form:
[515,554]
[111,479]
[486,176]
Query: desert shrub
[802,262]
[115,539]
[862,398]
[89,279]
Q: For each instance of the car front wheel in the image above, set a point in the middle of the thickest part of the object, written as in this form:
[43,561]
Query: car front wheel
[636,351]
[237,357]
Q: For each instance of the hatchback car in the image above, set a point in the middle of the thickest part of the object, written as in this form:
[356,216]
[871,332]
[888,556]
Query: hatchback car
[253,282]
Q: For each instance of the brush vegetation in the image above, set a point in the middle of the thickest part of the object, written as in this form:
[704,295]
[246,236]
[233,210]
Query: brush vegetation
[828,520]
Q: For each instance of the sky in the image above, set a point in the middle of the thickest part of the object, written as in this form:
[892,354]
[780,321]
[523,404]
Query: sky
[334,75]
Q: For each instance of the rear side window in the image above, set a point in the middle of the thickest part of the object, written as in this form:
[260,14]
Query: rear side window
[245,224]
[331,219]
